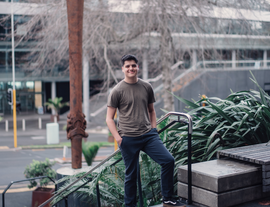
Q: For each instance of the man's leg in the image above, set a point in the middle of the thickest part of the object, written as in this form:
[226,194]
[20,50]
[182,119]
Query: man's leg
[130,149]
[158,152]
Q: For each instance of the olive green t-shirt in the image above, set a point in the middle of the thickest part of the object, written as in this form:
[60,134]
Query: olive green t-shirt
[132,101]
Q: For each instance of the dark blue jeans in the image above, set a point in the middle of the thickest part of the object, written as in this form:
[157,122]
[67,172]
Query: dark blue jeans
[152,145]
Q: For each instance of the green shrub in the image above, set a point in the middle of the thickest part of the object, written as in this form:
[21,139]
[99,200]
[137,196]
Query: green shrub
[37,169]
[90,150]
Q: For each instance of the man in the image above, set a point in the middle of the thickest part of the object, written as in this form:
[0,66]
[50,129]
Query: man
[134,99]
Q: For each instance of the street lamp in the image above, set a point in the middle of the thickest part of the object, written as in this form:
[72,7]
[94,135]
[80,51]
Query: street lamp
[13,77]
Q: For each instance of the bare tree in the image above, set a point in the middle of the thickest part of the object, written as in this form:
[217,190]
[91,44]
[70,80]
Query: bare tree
[110,30]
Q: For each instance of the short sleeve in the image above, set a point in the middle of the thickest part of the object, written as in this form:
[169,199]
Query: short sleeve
[113,99]
[151,96]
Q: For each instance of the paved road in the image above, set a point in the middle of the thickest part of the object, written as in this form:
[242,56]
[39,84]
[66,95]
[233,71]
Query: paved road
[40,139]
[13,161]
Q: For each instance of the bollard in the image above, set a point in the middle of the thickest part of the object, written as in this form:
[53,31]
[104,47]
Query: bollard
[23,124]
[52,133]
[6,125]
[55,119]
[39,123]
[65,151]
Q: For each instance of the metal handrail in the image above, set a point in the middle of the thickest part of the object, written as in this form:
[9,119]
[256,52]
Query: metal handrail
[19,181]
[187,116]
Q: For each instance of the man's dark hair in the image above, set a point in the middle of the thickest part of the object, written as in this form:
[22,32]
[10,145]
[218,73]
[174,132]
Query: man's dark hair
[128,57]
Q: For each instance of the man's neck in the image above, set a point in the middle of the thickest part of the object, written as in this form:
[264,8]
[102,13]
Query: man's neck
[131,80]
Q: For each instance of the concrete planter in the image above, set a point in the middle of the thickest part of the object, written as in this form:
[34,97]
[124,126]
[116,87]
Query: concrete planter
[40,195]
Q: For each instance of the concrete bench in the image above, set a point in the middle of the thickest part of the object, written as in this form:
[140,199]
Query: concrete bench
[222,183]
[257,154]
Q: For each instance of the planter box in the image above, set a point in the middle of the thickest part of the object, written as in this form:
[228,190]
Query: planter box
[40,195]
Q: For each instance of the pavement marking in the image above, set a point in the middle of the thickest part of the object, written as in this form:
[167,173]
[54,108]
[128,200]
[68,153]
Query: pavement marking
[4,147]
[38,149]
[15,185]
[39,137]
[19,190]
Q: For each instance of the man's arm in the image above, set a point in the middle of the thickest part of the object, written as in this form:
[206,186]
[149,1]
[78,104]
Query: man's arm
[110,122]
[152,114]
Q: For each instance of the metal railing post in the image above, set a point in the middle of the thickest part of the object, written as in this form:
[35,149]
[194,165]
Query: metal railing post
[18,181]
[98,196]
[139,184]
[66,201]
[189,201]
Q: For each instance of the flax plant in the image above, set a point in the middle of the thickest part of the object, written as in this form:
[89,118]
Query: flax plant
[243,118]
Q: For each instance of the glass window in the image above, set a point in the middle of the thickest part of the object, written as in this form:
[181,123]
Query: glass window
[2,59]
[2,86]
[30,85]
[38,86]
[18,85]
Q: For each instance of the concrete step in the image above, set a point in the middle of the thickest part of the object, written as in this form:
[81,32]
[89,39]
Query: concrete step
[222,183]
[225,199]
[222,175]
[161,205]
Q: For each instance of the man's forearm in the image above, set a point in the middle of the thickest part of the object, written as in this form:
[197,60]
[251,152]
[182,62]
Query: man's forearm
[112,128]
[153,119]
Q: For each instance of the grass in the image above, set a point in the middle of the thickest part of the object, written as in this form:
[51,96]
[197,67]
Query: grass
[60,145]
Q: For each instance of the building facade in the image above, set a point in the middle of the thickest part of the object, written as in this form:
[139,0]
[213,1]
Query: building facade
[224,34]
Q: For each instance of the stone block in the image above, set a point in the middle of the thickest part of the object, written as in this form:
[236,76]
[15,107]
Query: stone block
[266,188]
[266,181]
[265,174]
[225,199]
[222,175]
[265,167]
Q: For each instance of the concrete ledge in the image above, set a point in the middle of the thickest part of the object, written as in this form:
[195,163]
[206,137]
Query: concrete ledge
[222,175]
[225,199]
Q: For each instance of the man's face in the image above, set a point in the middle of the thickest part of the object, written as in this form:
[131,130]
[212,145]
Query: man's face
[130,69]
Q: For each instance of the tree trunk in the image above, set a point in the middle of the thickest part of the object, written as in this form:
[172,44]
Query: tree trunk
[166,59]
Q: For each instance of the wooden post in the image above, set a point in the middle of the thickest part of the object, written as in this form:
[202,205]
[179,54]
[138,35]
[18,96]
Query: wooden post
[76,123]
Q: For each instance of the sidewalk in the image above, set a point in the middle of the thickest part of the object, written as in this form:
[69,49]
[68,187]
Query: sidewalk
[96,128]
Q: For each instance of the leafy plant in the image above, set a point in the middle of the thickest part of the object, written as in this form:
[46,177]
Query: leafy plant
[37,169]
[56,104]
[90,150]
[243,118]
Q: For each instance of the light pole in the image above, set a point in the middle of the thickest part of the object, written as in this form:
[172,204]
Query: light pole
[13,78]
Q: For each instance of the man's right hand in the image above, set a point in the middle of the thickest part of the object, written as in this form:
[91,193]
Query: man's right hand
[110,122]
[119,140]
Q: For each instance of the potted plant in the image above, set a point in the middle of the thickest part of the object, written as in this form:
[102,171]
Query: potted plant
[37,169]
[55,104]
